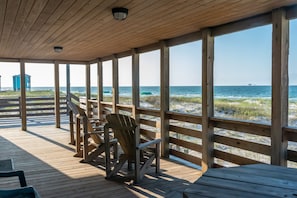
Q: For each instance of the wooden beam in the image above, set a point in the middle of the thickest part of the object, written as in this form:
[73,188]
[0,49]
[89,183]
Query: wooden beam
[107,58]
[148,48]
[88,89]
[115,84]
[55,61]
[251,22]
[135,84]
[280,47]
[164,96]
[135,93]
[184,39]
[124,54]
[68,81]
[292,12]
[73,62]
[99,88]
[207,99]
[57,96]
[9,60]
[23,96]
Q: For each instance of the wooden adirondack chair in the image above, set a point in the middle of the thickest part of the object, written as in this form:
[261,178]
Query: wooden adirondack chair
[91,135]
[140,154]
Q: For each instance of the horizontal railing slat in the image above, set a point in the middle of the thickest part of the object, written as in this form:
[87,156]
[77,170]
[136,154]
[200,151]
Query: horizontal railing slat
[10,116]
[242,144]
[10,107]
[9,110]
[247,127]
[147,122]
[229,157]
[148,133]
[185,131]
[290,134]
[195,119]
[151,112]
[127,108]
[190,158]
[292,155]
[185,144]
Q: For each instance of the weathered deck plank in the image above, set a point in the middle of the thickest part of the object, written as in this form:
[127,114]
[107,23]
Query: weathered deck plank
[46,157]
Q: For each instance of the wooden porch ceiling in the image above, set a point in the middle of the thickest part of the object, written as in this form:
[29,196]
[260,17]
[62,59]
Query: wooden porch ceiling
[87,30]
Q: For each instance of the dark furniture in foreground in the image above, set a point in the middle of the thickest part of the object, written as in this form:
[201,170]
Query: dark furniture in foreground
[257,180]
[7,170]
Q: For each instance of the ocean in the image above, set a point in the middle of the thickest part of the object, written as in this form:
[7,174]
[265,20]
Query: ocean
[189,91]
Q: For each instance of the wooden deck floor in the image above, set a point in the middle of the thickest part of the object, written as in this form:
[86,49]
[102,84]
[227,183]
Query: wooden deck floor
[46,157]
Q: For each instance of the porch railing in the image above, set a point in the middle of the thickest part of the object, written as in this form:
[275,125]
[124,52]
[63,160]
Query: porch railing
[37,106]
[235,142]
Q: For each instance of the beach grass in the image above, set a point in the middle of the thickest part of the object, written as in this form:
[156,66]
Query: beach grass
[244,108]
[255,109]
[42,93]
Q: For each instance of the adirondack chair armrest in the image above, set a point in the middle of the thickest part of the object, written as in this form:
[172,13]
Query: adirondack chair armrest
[113,141]
[96,121]
[149,143]
[79,116]
[98,128]
[95,132]
[15,173]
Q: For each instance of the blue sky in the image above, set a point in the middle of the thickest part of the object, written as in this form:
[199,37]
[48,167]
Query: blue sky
[244,57]
[241,58]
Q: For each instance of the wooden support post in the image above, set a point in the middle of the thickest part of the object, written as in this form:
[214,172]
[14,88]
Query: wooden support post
[57,96]
[115,84]
[99,89]
[85,138]
[280,45]
[88,90]
[71,129]
[68,85]
[135,84]
[207,99]
[79,137]
[23,96]
[135,91]
[164,95]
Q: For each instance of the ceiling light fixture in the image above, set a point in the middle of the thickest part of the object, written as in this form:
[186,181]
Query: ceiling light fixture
[58,49]
[119,13]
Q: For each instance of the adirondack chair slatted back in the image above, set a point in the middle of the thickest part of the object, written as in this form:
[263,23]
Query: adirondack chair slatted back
[96,138]
[124,130]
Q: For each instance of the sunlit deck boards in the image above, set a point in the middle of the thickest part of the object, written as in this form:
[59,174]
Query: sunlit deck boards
[46,157]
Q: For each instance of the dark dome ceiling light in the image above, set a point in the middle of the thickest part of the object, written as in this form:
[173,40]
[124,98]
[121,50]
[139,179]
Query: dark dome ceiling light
[119,13]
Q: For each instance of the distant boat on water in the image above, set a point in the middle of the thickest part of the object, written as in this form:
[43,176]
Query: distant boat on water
[146,93]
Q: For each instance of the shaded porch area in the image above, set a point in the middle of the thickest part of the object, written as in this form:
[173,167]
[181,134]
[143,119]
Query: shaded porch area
[16,122]
[46,156]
